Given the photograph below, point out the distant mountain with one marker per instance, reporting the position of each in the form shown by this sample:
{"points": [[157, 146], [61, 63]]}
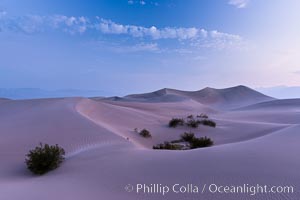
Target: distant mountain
{"points": [[282, 92], [228, 98], [34, 93], [3, 99]]}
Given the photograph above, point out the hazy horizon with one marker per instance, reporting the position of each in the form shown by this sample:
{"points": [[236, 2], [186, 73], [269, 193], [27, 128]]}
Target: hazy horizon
{"points": [[280, 92]]}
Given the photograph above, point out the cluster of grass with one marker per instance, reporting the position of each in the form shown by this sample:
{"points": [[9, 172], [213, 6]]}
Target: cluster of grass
{"points": [[176, 122], [208, 122], [200, 142], [196, 142], [192, 122], [168, 146], [44, 158], [189, 138]]}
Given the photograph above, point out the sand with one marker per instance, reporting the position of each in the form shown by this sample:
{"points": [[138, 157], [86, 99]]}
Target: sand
{"points": [[254, 144]]}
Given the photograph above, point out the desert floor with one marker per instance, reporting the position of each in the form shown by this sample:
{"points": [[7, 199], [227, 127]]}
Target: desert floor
{"points": [[256, 144]]}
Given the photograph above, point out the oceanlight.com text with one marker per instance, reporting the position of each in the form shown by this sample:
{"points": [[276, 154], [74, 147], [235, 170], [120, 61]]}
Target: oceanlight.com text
{"points": [[250, 189]]}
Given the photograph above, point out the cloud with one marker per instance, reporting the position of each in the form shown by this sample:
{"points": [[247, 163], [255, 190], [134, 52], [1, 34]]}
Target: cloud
{"points": [[142, 47], [140, 2], [239, 3], [219, 35], [26, 24], [110, 27], [199, 37], [69, 24], [35, 23], [219, 40], [127, 47]]}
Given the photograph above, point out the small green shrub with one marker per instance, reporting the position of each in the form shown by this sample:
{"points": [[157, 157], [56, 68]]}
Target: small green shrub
{"points": [[44, 158], [208, 122], [145, 133], [168, 146], [201, 142], [176, 122], [187, 137]]}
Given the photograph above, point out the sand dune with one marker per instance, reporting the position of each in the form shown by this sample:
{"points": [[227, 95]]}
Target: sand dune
{"points": [[286, 104], [258, 144], [228, 98], [155, 117]]}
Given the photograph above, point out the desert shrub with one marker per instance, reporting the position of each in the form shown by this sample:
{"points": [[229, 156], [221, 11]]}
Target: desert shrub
{"points": [[145, 133], [190, 117], [193, 123], [177, 141], [208, 122], [202, 115], [176, 122], [44, 158], [168, 146], [201, 142], [187, 137]]}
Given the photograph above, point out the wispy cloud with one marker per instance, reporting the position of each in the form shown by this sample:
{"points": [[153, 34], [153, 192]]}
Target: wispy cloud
{"points": [[140, 2], [239, 3], [70, 24], [110, 27], [80, 24], [141, 47], [36, 23], [197, 37]]}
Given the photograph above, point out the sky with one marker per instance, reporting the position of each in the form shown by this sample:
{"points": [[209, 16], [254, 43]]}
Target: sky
{"points": [[130, 46]]}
